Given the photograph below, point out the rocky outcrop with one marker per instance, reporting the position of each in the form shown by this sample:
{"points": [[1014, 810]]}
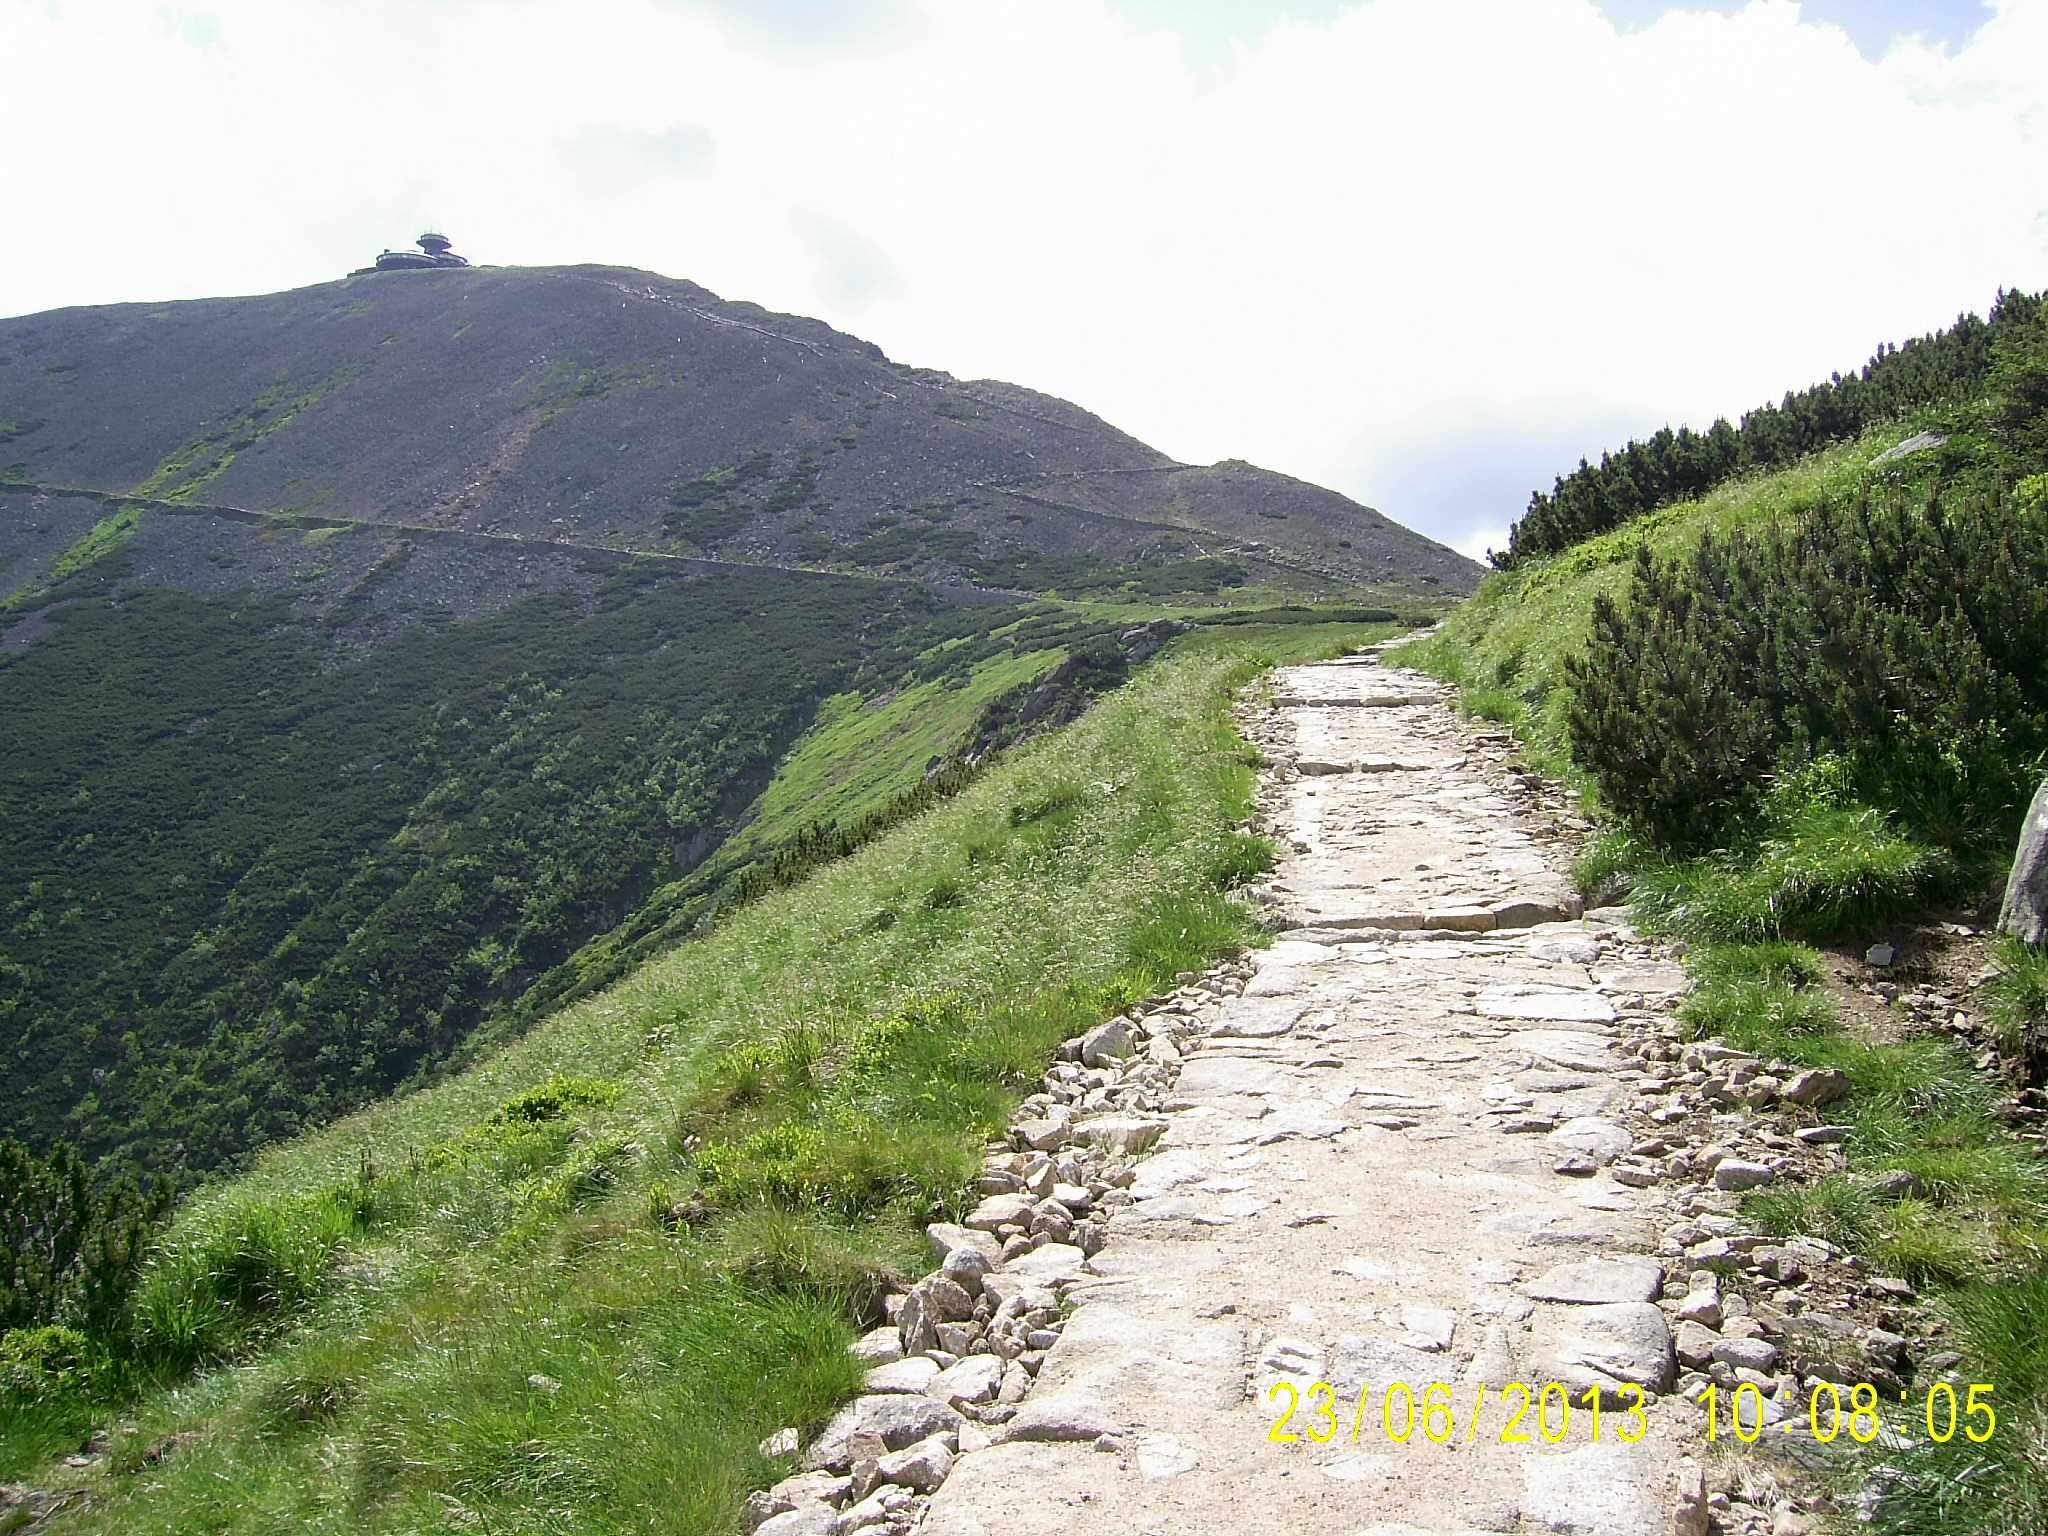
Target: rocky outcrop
{"points": [[2025, 913]]}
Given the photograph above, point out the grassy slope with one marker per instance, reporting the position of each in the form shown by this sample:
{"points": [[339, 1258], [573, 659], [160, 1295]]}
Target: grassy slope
{"points": [[1976, 1232], [862, 753], [461, 1308]]}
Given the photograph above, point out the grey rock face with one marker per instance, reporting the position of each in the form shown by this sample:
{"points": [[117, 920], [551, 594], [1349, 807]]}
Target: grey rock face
{"points": [[2025, 913]]}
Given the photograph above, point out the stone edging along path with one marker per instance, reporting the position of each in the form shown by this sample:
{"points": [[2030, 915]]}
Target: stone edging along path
{"points": [[1442, 1131]]}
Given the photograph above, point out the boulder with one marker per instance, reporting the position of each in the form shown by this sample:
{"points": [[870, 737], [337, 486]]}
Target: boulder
{"points": [[922, 1466], [1754, 1354], [2025, 913], [1820, 1085], [966, 1267], [944, 1237], [975, 1379], [932, 1301], [1070, 1416], [1696, 1344], [1107, 1043], [912, 1375], [1048, 1134], [804, 1520], [884, 1346], [1734, 1174], [999, 1211], [1117, 1133], [897, 1419]]}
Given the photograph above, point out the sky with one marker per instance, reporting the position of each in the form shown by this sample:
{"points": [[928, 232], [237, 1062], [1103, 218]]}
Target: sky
{"points": [[1427, 252]]}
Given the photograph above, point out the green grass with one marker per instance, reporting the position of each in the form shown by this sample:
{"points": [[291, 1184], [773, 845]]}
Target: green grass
{"points": [[195, 464], [101, 540], [106, 537], [2018, 998], [476, 1305], [861, 753], [1822, 872], [1962, 1489]]}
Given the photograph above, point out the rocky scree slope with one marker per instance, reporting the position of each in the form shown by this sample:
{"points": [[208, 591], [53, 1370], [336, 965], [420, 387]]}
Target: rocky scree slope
{"points": [[608, 406]]}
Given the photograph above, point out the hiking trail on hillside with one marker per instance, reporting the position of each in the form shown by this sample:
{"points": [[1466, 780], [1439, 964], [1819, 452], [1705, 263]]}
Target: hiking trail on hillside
{"points": [[1391, 1160]]}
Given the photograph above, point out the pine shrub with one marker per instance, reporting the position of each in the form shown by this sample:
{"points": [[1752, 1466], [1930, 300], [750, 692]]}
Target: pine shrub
{"points": [[1906, 639]]}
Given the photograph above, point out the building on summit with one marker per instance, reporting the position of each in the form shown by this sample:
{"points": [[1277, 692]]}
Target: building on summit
{"points": [[434, 251]]}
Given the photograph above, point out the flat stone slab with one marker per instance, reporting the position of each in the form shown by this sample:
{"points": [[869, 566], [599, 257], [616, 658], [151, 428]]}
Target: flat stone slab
{"points": [[1648, 980], [1594, 1281], [1213, 1072], [1601, 1140], [1540, 1003], [1055, 1261], [1606, 1346], [1590, 1492], [1260, 1019], [1565, 1048]]}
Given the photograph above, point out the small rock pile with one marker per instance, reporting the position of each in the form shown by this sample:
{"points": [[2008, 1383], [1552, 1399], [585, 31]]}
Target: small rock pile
{"points": [[961, 1348], [1787, 1316]]}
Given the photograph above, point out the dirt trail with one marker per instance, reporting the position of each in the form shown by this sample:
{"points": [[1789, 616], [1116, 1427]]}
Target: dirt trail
{"points": [[1359, 1184]]}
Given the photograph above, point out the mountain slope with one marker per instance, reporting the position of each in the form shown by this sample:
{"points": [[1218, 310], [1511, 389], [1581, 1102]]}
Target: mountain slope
{"points": [[388, 662], [605, 406]]}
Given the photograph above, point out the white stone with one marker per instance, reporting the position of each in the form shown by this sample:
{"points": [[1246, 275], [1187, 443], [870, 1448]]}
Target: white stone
{"points": [[1107, 1043], [1599, 1280], [976, 1379], [884, 1346], [899, 1419], [1115, 1133], [922, 1466], [1601, 1140], [911, 1375]]}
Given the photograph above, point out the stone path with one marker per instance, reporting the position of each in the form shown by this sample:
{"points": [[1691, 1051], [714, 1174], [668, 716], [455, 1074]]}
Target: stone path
{"points": [[1391, 1159]]}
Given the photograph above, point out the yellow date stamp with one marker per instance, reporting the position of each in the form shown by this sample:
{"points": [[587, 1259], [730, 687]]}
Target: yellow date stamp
{"points": [[1859, 1415], [1529, 1413]]}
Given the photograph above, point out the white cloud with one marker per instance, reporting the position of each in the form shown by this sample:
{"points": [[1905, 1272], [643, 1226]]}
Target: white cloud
{"points": [[1482, 541], [1364, 249]]}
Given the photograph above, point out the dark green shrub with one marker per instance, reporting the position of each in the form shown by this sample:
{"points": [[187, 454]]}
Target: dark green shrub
{"points": [[1905, 639], [71, 1239], [556, 1098]]}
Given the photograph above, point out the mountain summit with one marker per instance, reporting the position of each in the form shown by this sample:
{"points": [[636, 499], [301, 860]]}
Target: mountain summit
{"points": [[600, 405]]}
